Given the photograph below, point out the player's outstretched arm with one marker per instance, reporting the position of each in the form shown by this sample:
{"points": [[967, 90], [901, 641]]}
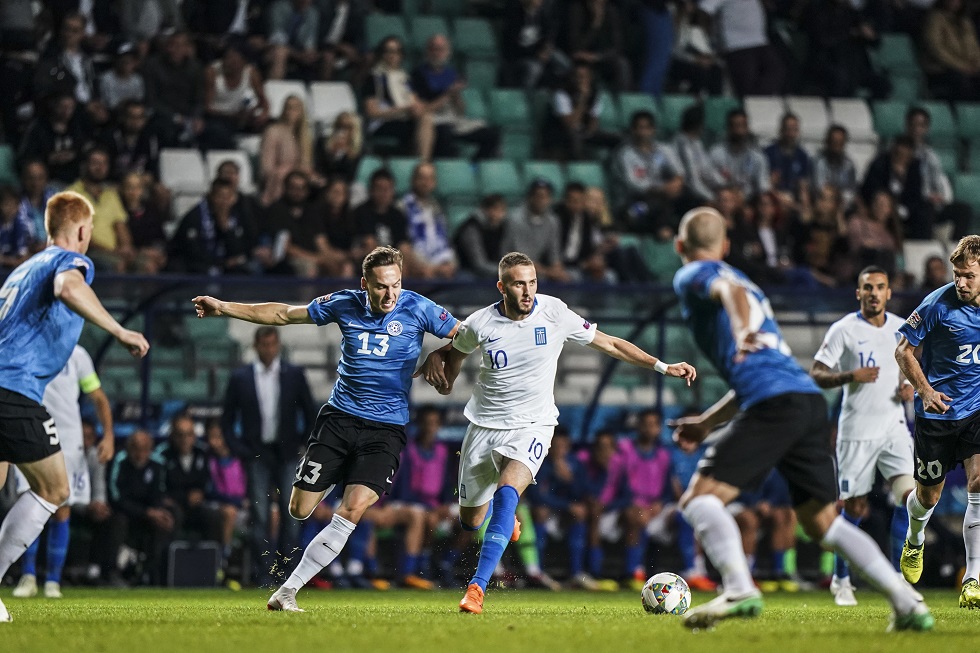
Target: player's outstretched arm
{"points": [[627, 352], [70, 288], [271, 313], [689, 432], [827, 378], [932, 401]]}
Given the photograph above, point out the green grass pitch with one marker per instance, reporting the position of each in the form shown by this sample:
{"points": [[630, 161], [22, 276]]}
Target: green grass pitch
{"points": [[213, 621]]}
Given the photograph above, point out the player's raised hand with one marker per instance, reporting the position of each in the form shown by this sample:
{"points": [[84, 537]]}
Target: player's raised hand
{"points": [[207, 306], [865, 374], [683, 371], [932, 401], [134, 342], [433, 370], [689, 432]]}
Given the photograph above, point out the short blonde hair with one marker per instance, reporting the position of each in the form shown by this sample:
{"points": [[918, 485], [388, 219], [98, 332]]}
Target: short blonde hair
{"points": [[512, 260], [65, 210], [967, 251]]}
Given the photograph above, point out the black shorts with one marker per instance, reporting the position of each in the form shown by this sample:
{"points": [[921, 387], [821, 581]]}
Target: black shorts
{"points": [[27, 431], [941, 444], [349, 450], [790, 433]]}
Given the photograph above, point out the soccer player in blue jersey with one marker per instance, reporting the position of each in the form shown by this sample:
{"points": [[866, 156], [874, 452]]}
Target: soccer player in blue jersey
{"points": [[43, 304], [360, 433], [776, 417], [939, 352]]}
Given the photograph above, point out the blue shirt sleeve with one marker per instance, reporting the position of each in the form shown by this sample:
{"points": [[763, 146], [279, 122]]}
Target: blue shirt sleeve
{"points": [[325, 309], [696, 280], [434, 318], [74, 261], [924, 318]]}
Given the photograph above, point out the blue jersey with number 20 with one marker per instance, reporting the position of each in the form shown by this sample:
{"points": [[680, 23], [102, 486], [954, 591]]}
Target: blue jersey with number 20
{"points": [[37, 331], [949, 332], [378, 351]]}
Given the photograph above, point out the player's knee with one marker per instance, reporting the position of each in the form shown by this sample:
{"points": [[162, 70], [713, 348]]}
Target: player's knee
{"points": [[928, 495], [297, 509], [56, 494]]}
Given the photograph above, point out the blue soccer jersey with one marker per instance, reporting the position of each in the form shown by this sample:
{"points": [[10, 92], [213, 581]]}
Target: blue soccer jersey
{"points": [[761, 375], [378, 351], [37, 331], [949, 332]]}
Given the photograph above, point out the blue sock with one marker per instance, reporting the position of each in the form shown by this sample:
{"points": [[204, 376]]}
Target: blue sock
{"points": [[778, 562], [58, 534], [409, 565], [634, 555], [595, 561], [499, 530], [685, 542], [841, 569], [540, 539], [489, 515], [576, 547], [28, 561], [900, 525], [358, 541]]}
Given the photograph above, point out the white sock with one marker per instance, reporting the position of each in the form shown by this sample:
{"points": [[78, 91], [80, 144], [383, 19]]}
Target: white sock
{"points": [[863, 554], [718, 534], [324, 548], [918, 518], [971, 535], [20, 528]]}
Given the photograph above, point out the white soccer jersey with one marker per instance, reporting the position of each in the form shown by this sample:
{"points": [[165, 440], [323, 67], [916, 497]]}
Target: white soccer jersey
{"points": [[870, 410], [516, 387], [61, 398]]}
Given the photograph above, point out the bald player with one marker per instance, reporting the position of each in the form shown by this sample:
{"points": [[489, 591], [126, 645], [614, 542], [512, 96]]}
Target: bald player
{"points": [[777, 418]]}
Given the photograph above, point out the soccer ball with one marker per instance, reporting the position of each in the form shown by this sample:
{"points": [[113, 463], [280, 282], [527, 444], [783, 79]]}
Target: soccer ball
{"points": [[666, 593]]}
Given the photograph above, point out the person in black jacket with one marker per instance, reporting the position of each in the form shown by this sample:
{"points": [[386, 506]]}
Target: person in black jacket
{"points": [[57, 137], [271, 402], [187, 479], [479, 240], [141, 514], [899, 173], [528, 44], [211, 238]]}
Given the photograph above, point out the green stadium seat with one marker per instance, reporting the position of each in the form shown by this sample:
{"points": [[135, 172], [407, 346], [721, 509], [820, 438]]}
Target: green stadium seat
{"points": [[630, 103], [456, 178], [679, 343], [445, 7], [905, 89], [367, 166], [715, 113], [712, 388], [516, 145], [540, 105], [549, 170], [457, 214], [424, 27], [589, 173], [411, 8], [500, 176], [198, 329], [190, 389], [889, 117], [949, 158], [610, 118], [476, 103], [968, 120], [509, 107], [672, 107], [896, 53], [661, 259], [966, 188], [474, 38], [943, 128], [401, 167], [379, 26], [481, 74], [8, 169]]}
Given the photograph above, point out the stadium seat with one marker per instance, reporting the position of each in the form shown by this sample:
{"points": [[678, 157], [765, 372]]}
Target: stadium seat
{"points": [[183, 171], [456, 179], [476, 103], [896, 53], [379, 26], [862, 154], [401, 167], [610, 117], [203, 330], [509, 107], [943, 130], [812, 112], [422, 28], [329, 100], [474, 38], [672, 107], [246, 180], [966, 188], [949, 159], [764, 114], [917, 252], [661, 259], [457, 214], [517, 144], [905, 88], [250, 144], [630, 103], [586, 172], [968, 120], [853, 114], [500, 176], [182, 203], [889, 118], [367, 166], [549, 170], [277, 90], [481, 74], [446, 7], [716, 110], [8, 169]]}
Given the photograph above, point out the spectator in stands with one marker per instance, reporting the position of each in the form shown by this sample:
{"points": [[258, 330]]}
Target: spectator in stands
{"points": [[338, 154], [294, 26], [392, 108], [247, 206], [696, 67], [227, 488], [573, 119], [298, 231], [270, 403], [379, 221], [187, 479], [753, 63], [145, 224], [832, 167], [700, 174], [211, 238], [837, 57], [123, 81], [18, 25], [67, 68], [789, 164], [141, 515], [427, 228], [343, 43], [595, 38], [57, 137], [821, 246], [935, 273], [15, 231], [437, 84], [35, 193], [533, 228], [658, 34], [875, 235], [479, 240], [951, 52], [134, 145], [583, 245], [234, 99], [143, 20], [175, 94], [287, 145], [739, 159], [528, 44], [937, 189], [899, 173], [215, 21], [649, 173], [339, 227], [101, 20], [112, 245], [761, 242]]}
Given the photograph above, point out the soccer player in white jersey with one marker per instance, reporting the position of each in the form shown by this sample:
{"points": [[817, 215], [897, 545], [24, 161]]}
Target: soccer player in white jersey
{"points": [[61, 400], [512, 411], [872, 432]]}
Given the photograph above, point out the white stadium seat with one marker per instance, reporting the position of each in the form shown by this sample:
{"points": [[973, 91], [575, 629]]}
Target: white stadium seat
{"points": [[277, 90], [764, 114], [862, 154], [184, 202], [330, 99], [917, 252], [812, 112], [854, 114], [246, 180], [183, 171]]}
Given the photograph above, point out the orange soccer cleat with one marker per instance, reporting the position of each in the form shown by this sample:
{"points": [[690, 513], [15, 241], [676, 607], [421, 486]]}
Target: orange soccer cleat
{"points": [[517, 530], [473, 600], [417, 583], [702, 584]]}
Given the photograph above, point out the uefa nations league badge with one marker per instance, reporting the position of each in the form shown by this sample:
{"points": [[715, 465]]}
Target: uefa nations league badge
{"points": [[394, 328]]}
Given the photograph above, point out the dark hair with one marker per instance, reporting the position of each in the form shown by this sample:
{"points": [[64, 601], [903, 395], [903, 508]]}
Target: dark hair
{"points": [[26, 163], [425, 409], [643, 114], [737, 112], [264, 332], [902, 140], [380, 47], [380, 257], [179, 417], [836, 128], [918, 111], [646, 412], [218, 184], [873, 269], [292, 174], [492, 200], [692, 118], [789, 115], [97, 149], [126, 105], [574, 187], [381, 173], [6, 191], [238, 168]]}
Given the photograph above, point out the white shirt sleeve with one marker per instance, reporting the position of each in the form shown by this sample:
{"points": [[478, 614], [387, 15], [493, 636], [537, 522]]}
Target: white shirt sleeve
{"points": [[467, 337], [832, 347], [576, 328]]}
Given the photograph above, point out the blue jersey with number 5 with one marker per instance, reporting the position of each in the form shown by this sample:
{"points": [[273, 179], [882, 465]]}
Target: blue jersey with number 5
{"points": [[37, 331], [949, 332], [378, 351]]}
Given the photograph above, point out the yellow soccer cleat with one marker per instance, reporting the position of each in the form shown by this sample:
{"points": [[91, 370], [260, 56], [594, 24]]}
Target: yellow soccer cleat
{"points": [[911, 562], [970, 594]]}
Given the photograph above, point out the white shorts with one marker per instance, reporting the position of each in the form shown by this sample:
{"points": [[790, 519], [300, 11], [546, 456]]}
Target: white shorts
{"points": [[79, 481], [858, 459], [483, 453]]}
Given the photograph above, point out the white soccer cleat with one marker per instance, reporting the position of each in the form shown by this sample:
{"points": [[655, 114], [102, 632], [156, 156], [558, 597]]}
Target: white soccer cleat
{"points": [[52, 590], [915, 592], [4, 615], [284, 599], [843, 591], [26, 587], [725, 606]]}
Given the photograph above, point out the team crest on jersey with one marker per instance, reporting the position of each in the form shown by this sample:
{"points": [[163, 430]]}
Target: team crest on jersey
{"points": [[540, 336], [394, 328], [914, 320], [586, 325], [444, 315]]}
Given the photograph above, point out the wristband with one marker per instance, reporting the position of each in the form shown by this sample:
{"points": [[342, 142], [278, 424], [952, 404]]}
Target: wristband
{"points": [[660, 367]]}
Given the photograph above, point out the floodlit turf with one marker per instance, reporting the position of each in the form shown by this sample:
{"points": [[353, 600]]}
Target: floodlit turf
{"points": [[145, 621]]}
